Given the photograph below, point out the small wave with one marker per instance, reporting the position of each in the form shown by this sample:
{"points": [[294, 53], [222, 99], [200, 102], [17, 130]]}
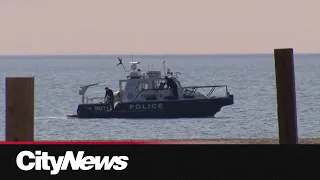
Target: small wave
{"points": [[61, 117], [50, 117], [222, 117]]}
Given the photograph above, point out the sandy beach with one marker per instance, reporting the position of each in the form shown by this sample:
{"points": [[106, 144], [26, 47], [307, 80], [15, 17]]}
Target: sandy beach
{"points": [[218, 141], [241, 141]]}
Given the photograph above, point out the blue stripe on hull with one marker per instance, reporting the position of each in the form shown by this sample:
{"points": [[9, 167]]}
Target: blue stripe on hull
{"points": [[164, 109]]}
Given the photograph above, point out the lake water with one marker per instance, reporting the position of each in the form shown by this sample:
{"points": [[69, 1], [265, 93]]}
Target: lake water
{"points": [[251, 78]]}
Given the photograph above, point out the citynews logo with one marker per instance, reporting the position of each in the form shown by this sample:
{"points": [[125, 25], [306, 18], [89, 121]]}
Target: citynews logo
{"points": [[42, 161]]}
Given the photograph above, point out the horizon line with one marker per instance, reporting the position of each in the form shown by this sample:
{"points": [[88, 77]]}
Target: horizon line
{"points": [[170, 54]]}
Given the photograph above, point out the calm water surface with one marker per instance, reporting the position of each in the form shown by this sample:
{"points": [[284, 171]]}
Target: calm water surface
{"points": [[249, 77]]}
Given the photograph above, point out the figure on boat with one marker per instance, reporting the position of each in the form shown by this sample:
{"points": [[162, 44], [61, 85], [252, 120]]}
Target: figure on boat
{"points": [[172, 84], [109, 97]]}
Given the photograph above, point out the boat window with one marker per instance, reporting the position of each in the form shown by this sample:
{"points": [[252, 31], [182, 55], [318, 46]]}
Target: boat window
{"points": [[123, 84], [155, 84], [142, 86]]}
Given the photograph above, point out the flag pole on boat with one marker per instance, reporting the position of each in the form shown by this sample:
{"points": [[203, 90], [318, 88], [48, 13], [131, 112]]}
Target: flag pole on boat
{"points": [[164, 66]]}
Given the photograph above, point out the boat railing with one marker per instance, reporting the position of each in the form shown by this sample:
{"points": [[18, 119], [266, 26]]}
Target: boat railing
{"points": [[189, 89], [83, 90], [193, 89], [86, 99], [94, 98]]}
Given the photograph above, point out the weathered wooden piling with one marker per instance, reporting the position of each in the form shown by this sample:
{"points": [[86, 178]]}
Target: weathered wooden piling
{"points": [[286, 96], [19, 108]]}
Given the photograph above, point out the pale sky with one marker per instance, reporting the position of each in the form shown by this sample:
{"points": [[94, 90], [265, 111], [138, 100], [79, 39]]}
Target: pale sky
{"points": [[158, 26]]}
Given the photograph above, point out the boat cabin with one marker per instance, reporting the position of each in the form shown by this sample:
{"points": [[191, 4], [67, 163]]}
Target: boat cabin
{"points": [[145, 86]]}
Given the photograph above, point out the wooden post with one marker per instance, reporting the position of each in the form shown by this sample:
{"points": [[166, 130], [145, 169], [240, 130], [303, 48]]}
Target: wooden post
{"points": [[286, 96], [19, 108]]}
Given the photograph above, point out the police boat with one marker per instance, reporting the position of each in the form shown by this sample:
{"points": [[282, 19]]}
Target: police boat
{"points": [[142, 95]]}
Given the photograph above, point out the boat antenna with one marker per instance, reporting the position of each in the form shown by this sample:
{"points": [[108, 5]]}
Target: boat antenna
{"points": [[120, 62], [164, 66]]}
